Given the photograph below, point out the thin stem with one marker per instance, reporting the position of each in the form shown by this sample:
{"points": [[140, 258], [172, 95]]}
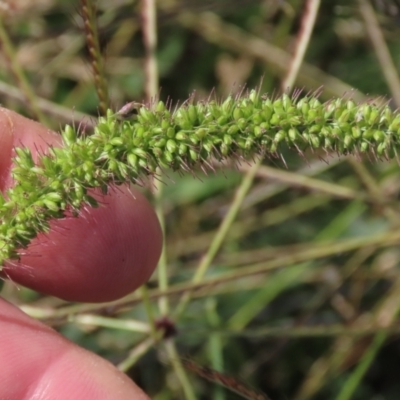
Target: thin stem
{"points": [[355, 378], [215, 344], [179, 370], [150, 315], [92, 38], [215, 30], [294, 332], [97, 320], [149, 26], [226, 381], [19, 74], [135, 354], [220, 235], [375, 194], [307, 25], [59, 112], [384, 315], [305, 253], [377, 39], [162, 268]]}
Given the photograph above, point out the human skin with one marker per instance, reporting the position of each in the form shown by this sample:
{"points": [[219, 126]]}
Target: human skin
{"points": [[100, 256]]}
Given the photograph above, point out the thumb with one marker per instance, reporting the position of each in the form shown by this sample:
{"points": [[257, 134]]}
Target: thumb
{"points": [[103, 254]]}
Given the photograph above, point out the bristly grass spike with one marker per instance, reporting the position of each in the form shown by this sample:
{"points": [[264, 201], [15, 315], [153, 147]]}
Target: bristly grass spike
{"points": [[181, 140]]}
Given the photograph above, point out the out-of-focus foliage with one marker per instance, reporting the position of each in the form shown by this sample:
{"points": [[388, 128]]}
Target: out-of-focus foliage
{"points": [[319, 229]]}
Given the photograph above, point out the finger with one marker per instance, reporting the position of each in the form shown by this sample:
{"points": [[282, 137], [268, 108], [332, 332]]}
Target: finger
{"points": [[37, 363], [17, 131], [103, 254]]}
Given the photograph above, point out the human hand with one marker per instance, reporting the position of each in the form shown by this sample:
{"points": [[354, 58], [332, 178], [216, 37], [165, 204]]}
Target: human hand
{"points": [[102, 255]]}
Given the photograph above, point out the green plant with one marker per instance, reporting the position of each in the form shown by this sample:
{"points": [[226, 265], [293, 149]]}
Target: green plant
{"points": [[278, 282], [126, 151]]}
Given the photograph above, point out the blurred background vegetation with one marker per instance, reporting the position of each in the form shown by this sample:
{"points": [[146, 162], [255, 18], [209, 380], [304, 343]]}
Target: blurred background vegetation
{"points": [[300, 296]]}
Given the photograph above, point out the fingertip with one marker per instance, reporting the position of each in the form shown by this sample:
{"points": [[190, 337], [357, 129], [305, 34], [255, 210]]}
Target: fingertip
{"points": [[18, 131], [36, 362], [100, 256], [104, 254]]}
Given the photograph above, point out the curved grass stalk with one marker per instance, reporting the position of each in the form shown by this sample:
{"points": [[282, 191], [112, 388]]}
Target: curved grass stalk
{"points": [[123, 151]]}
